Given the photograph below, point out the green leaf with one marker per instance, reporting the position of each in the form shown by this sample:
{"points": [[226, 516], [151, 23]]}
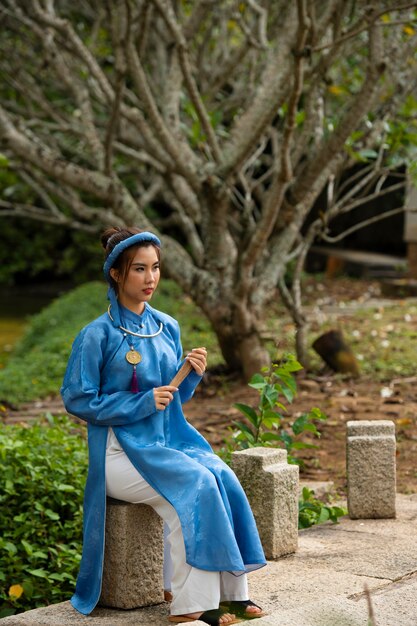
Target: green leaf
{"points": [[324, 515], [27, 546], [38, 554], [288, 393], [287, 439], [257, 381], [271, 437], [307, 493], [51, 514], [243, 427], [317, 414], [249, 412], [244, 436], [10, 547], [67, 488], [300, 424], [40, 573], [271, 395], [28, 588], [271, 422], [57, 576]]}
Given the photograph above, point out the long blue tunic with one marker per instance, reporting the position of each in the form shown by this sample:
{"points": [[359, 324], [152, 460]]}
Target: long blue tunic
{"points": [[219, 529]]}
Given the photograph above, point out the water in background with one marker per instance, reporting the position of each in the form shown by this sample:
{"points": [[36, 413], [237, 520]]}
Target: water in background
{"points": [[17, 304]]}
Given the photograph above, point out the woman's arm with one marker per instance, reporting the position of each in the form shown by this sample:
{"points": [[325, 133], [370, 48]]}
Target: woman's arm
{"points": [[81, 389]]}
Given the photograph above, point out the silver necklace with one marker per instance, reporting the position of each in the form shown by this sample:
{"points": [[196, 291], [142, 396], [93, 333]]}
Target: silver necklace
{"points": [[126, 330], [133, 356]]}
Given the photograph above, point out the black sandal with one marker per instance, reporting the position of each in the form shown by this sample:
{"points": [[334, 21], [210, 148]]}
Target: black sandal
{"points": [[238, 607], [212, 618]]}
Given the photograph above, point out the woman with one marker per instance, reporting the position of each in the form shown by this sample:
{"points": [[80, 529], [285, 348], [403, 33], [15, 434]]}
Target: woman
{"points": [[142, 449]]}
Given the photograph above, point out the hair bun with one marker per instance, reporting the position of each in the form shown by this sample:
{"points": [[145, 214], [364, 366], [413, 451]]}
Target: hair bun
{"points": [[107, 235]]}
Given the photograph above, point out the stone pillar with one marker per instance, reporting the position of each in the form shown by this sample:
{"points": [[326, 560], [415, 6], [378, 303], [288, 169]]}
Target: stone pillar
{"points": [[133, 556], [271, 485], [370, 460]]}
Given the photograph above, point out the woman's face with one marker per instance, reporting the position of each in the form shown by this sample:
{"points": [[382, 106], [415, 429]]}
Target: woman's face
{"points": [[141, 281]]}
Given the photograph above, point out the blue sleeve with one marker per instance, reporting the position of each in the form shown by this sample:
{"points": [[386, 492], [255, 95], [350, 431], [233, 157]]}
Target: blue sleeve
{"points": [[82, 383], [189, 384]]}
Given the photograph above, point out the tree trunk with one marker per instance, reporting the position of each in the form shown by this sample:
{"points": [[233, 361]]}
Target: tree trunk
{"points": [[301, 343], [242, 349]]}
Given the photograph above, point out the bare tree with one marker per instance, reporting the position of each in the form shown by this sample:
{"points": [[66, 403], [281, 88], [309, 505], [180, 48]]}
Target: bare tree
{"points": [[216, 124]]}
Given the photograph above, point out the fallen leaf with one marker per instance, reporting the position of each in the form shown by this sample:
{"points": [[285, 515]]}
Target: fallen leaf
{"points": [[404, 421]]}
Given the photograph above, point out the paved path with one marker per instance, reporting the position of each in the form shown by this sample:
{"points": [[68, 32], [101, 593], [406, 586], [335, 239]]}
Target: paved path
{"points": [[323, 584]]}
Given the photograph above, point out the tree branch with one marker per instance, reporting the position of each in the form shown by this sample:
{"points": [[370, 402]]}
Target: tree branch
{"points": [[271, 92], [167, 13], [9, 209], [363, 224], [371, 17], [284, 175], [184, 161], [74, 175], [118, 36], [321, 163]]}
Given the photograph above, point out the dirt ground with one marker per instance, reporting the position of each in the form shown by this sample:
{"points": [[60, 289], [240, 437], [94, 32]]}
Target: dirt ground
{"points": [[211, 411]]}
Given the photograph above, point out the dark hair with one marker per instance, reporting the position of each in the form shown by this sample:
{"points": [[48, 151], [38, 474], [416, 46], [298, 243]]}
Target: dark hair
{"points": [[111, 237]]}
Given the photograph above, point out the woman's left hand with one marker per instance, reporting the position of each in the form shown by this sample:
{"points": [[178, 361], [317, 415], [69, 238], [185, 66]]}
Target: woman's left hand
{"points": [[198, 359]]}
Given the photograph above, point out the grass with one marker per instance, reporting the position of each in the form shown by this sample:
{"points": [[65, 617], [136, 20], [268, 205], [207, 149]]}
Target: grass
{"points": [[382, 337], [10, 331]]}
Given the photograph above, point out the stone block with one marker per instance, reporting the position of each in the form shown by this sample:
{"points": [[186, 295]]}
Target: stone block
{"points": [[370, 460], [133, 556], [271, 485]]}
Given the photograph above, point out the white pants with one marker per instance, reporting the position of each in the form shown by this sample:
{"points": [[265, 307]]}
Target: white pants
{"points": [[193, 589]]}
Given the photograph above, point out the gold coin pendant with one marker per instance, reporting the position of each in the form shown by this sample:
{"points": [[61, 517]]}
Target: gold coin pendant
{"points": [[133, 357]]}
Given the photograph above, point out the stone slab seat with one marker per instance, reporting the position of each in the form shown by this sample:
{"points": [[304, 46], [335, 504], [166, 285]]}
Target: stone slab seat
{"points": [[133, 556]]}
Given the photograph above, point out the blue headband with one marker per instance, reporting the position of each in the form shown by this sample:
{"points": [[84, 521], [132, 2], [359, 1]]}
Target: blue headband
{"points": [[111, 259], [126, 243]]}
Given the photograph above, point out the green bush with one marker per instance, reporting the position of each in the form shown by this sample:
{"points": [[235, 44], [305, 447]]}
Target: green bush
{"points": [[42, 476]]}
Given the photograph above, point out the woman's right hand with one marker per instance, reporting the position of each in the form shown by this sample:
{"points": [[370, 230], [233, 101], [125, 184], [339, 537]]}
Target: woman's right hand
{"points": [[163, 396]]}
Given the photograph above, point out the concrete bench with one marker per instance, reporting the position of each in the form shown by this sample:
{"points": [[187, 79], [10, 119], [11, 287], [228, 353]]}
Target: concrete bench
{"points": [[133, 556]]}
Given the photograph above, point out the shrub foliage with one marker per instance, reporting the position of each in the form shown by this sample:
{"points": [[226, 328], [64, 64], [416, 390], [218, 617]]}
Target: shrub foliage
{"points": [[42, 476]]}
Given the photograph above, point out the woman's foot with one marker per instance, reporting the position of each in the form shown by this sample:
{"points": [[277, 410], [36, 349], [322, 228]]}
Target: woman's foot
{"points": [[214, 617], [224, 618], [253, 609], [243, 608]]}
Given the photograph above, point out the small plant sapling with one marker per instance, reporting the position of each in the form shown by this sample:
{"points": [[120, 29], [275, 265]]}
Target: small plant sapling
{"points": [[268, 425]]}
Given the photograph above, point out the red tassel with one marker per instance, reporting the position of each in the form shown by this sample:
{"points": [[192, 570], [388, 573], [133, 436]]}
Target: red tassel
{"points": [[134, 387]]}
